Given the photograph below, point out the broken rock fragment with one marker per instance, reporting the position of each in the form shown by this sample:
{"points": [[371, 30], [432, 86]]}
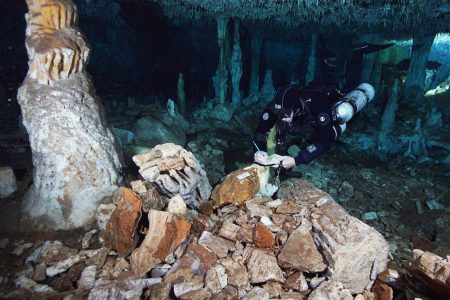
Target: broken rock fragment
{"points": [[262, 237], [216, 244], [165, 232], [331, 290], [296, 281], [300, 252], [122, 224], [263, 266]]}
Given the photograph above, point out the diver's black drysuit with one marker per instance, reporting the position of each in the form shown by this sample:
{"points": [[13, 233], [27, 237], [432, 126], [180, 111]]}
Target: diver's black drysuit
{"points": [[314, 106]]}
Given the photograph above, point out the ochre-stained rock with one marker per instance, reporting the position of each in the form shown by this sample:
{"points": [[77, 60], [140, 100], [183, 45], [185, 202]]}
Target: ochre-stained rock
{"points": [[165, 233], [300, 252], [382, 291], [262, 266], [355, 252], [120, 230], [200, 223], [262, 237], [433, 270], [206, 257], [238, 187]]}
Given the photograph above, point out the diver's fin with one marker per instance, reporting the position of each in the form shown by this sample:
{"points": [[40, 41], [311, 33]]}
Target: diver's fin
{"points": [[365, 48]]}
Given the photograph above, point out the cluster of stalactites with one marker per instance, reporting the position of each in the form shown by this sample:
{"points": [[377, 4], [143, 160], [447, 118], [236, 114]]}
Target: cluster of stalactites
{"points": [[56, 49]]}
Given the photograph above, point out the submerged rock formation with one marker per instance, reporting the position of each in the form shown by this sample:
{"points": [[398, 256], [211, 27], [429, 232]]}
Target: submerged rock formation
{"points": [[74, 153]]}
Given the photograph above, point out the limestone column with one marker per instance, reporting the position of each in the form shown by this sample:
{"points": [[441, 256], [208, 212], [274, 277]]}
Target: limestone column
{"points": [[413, 88], [312, 59], [236, 65], [255, 53], [75, 158], [222, 69]]}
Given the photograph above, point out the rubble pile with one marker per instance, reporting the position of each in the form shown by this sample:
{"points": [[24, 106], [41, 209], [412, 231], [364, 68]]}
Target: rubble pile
{"points": [[238, 245]]}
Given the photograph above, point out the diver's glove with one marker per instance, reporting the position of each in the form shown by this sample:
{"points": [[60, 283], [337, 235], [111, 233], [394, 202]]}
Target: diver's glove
{"points": [[287, 162], [261, 157]]}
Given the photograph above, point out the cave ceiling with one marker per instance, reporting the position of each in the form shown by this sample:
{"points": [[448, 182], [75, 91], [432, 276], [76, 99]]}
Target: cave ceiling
{"points": [[391, 17]]}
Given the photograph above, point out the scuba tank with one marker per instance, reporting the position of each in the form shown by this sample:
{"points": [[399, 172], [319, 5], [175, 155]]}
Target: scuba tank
{"points": [[352, 103]]}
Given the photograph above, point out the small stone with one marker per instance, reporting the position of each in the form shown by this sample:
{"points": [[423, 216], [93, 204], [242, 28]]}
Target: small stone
{"points": [[179, 276], [216, 279], [206, 257], [103, 214], [63, 266], [39, 272], [99, 258], [257, 209], [229, 230], [262, 237], [160, 270], [177, 205], [195, 283], [382, 291], [263, 266], [370, 216], [25, 283], [216, 244], [86, 241], [296, 281], [8, 184], [331, 290], [237, 275], [120, 265], [274, 289], [200, 223], [274, 203], [121, 289], [158, 291], [87, 279], [266, 221], [200, 294], [21, 248], [316, 281], [346, 189], [245, 233], [257, 293]]}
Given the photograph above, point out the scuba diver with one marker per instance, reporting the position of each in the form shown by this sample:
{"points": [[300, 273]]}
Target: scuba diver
{"points": [[318, 109]]}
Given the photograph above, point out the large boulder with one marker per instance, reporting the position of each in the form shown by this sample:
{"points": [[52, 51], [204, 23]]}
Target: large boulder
{"points": [[354, 252]]}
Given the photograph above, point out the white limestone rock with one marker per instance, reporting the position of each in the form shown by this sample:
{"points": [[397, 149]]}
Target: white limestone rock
{"points": [[87, 278], [8, 183], [121, 289], [177, 205], [63, 266]]}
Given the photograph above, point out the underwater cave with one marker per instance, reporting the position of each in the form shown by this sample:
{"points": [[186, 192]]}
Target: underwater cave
{"points": [[214, 149]]}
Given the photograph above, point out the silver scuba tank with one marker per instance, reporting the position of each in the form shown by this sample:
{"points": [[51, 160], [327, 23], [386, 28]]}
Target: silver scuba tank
{"points": [[352, 103]]}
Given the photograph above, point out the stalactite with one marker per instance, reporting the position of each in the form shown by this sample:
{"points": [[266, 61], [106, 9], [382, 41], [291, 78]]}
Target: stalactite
{"points": [[255, 53], [312, 59], [413, 88], [75, 157], [236, 64], [221, 77]]}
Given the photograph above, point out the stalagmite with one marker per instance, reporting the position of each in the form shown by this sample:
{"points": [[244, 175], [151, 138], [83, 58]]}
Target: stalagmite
{"points": [[385, 142], [75, 160], [311, 73], [180, 93], [413, 89], [255, 45], [221, 78], [236, 65]]}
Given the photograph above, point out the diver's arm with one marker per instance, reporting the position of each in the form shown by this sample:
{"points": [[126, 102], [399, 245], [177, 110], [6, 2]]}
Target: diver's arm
{"points": [[266, 121]]}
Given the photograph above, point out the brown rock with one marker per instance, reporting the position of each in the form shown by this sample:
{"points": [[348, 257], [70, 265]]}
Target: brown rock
{"points": [[423, 244], [39, 272], [274, 289], [200, 294], [300, 252], [231, 292], [382, 291], [432, 270], [257, 293], [120, 230], [120, 265], [245, 233], [200, 224], [150, 197], [229, 230], [296, 281], [179, 276], [165, 233], [158, 291], [216, 244], [262, 266], [237, 188], [237, 275], [206, 257], [207, 208], [262, 237]]}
